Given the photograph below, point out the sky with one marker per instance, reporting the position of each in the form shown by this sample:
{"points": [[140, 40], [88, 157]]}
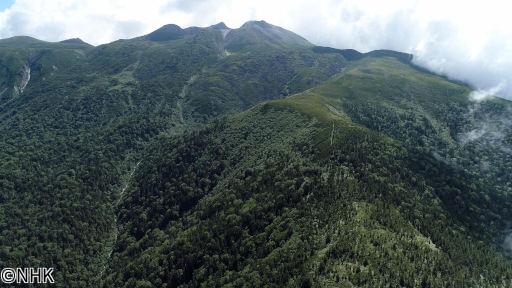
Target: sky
{"points": [[464, 40], [5, 4]]}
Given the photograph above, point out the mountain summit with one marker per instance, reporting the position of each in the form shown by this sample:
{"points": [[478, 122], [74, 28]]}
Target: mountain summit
{"points": [[258, 32], [251, 33], [170, 32], [220, 26], [74, 41]]}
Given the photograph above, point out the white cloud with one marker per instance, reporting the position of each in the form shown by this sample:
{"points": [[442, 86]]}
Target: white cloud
{"points": [[482, 95], [466, 40]]}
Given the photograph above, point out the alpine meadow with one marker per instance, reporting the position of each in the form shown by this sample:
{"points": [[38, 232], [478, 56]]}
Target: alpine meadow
{"points": [[248, 157]]}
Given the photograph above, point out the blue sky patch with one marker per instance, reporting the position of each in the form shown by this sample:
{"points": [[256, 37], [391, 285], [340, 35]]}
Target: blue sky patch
{"points": [[5, 4]]}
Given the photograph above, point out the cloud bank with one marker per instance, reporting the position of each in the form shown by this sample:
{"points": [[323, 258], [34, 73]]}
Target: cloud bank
{"points": [[465, 40]]}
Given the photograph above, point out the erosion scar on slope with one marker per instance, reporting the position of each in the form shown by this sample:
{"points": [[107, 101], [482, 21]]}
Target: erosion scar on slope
{"points": [[25, 78], [332, 132], [181, 97], [116, 230]]}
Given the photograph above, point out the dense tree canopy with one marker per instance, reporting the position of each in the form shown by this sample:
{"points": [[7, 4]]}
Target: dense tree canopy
{"points": [[149, 162]]}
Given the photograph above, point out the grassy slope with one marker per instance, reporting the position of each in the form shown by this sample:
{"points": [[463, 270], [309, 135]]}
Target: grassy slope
{"points": [[246, 78], [430, 115], [297, 192]]}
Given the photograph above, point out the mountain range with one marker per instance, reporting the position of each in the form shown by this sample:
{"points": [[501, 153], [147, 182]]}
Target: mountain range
{"points": [[249, 157]]}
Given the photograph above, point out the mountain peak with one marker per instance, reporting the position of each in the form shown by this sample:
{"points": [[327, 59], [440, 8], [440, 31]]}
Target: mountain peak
{"points": [[220, 26], [171, 32], [249, 34], [20, 39], [262, 33], [74, 41], [257, 23], [166, 33]]}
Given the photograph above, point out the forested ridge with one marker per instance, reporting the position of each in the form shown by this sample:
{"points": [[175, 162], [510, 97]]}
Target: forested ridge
{"points": [[365, 172], [298, 193]]}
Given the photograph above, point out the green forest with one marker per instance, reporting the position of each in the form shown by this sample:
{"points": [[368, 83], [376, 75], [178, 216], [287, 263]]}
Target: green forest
{"points": [[195, 158]]}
